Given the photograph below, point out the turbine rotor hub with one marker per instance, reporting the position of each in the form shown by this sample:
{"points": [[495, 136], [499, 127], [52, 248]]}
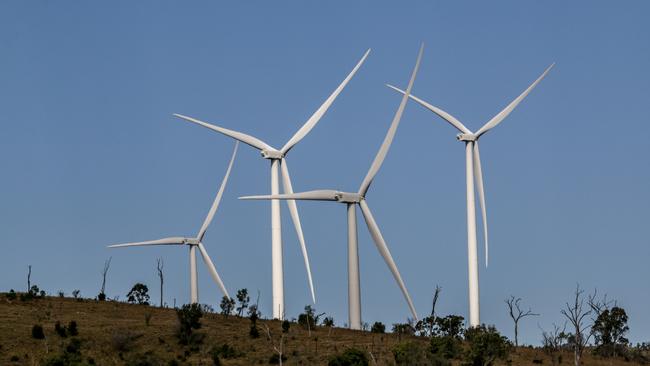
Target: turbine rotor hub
{"points": [[272, 154], [466, 137], [345, 197], [191, 241]]}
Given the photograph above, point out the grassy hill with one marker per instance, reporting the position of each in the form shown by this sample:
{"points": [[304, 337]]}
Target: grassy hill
{"points": [[114, 333]]}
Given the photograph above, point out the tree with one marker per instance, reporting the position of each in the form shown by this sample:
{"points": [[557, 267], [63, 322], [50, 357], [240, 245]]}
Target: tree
{"points": [[576, 314], [514, 309], [189, 318], [29, 277], [102, 291], [243, 299], [552, 342], [609, 331], [278, 347], [309, 319], [139, 294], [349, 357], [378, 327], [227, 304], [159, 268], [424, 327], [486, 345]]}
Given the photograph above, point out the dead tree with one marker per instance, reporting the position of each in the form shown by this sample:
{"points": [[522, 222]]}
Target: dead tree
{"points": [[29, 278], [576, 314], [436, 294], [514, 309], [552, 342], [159, 266], [599, 306], [107, 266], [279, 347]]}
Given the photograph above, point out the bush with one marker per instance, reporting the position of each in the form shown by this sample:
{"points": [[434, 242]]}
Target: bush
{"points": [[243, 299], [328, 321], [101, 296], [122, 341], [485, 346], [75, 294], [11, 295], [308, 319], [286, 324], [446, 347], [189, 318], [349, 357], [378, 327], [61, 331], [412, 353], [72, 328], [275, 359], [403, 329], [225, 351], [37, 332]]}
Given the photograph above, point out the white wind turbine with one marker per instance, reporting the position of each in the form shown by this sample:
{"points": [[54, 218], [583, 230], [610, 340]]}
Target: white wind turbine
{"points": [[474, 172], [195, 242], [278, 161], [352, 199]]}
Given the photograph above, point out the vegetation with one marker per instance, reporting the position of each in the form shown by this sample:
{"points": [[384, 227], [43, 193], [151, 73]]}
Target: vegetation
{"points": [[139, 294], [349, 357]]}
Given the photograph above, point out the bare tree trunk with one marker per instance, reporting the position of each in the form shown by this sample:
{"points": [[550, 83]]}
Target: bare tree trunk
{"points": [[29, 278], [107, 266], [160, 265], [576, 314]]}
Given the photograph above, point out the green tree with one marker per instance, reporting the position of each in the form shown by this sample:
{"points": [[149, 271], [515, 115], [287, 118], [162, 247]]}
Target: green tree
{"points": [[139, 294], [243, 299], [189, 318], [486, 345], [378, 327], [227, 304], [609, 331], [349, 357]]}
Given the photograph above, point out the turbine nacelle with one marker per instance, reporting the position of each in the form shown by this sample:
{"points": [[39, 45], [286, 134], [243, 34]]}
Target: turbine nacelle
{"points": [[466, 137], [191, 241], [346, 197], [272, 154]]}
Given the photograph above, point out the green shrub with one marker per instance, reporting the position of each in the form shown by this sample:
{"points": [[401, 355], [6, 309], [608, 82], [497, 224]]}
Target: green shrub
{"points": [[37, 332], [485, 346], [225, 351], [349, 357], [275, 359], [11, 295], [285, 326], [227, 305], [189, 318], [378, 327], [72, 328], [446, 347], [60, 330]]}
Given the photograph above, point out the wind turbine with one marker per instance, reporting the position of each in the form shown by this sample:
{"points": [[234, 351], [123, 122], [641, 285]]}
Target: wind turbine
{"points": [[351, 200], [474, 172], [278, 162], [195, 242]]}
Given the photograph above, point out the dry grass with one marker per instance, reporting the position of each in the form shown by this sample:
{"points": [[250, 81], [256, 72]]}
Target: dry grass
{"points": [[113, 333]]}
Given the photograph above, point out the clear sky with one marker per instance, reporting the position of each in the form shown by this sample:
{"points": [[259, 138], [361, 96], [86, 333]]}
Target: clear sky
{"points": [[90, 154]]}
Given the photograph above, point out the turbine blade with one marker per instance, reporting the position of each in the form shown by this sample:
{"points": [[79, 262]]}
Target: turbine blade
{"points": [[383, 150], [247, 139], [176, 240], [293, 209], [319, 195], [506, 111], [478, 175], [385, 253], [217, 199], [442, 114], [212, 269], [311, 122]]}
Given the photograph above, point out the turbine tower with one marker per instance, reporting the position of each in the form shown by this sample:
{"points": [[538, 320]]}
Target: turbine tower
{"points": [[195, 242], [474, 175], [351, 200], [278, 162]]}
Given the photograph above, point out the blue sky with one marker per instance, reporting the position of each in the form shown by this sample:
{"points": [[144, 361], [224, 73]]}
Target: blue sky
{"points": [[90, 154]]}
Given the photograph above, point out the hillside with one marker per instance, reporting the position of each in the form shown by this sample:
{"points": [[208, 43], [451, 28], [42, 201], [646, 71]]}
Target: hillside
{"points": [[114, 333]]}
